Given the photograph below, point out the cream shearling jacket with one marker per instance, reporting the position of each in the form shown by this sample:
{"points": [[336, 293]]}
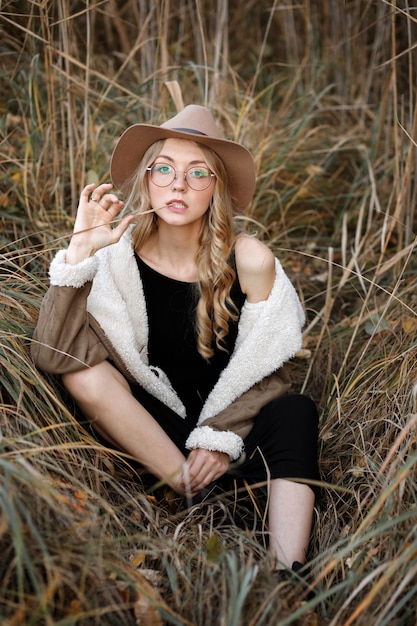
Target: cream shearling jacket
{"points": [[96, 310]]}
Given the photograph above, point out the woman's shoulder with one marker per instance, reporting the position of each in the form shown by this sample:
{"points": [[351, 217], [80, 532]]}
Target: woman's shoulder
{"points": [[252, 255], [255, 265]]}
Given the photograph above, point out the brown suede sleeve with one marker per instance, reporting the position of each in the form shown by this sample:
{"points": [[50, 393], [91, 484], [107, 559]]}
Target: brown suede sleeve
{"points": [[238, 416], [64, 339]]}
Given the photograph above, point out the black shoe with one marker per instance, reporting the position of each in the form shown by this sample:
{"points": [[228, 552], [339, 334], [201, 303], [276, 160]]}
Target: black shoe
{"points": [[298, 575], [301, 569]]}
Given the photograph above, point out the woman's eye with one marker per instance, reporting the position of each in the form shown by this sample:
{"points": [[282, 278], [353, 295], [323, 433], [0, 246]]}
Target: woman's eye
{"points": [[198, 172], [161, 168]]}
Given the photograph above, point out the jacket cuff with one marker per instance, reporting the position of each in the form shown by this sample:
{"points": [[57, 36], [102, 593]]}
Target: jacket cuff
{"points": [[219, 440], [61, 274]]}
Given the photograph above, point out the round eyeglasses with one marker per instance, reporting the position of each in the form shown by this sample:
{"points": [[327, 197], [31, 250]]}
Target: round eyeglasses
{"points": [[163, 175]]}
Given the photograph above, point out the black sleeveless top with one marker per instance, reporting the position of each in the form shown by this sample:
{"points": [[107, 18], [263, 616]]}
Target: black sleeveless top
{"points": [[172, 345]]}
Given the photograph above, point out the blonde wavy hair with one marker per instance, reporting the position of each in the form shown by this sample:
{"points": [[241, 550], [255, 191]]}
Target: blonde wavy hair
{"points": [[215, 307]]}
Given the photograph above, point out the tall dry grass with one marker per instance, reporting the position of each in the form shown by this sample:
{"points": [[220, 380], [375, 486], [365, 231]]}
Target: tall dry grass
{"points": [[323, 95]]}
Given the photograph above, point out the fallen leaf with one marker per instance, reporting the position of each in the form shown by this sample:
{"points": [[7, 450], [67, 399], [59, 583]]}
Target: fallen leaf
{"points": [[146, 605], [137, 558], [80, 495], [146, 613], [410, 325], [136, 515], [152, 575], [74, 608], [214, 549]]}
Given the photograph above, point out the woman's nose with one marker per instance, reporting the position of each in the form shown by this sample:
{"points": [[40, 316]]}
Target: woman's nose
{"points": [[180, 180]]}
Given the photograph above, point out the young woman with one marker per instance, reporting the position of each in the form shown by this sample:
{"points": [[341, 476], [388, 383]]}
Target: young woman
{"points": [[170, 328]]}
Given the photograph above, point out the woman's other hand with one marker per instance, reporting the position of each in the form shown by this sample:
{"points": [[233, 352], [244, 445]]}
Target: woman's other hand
{"points": [[202, 467]]}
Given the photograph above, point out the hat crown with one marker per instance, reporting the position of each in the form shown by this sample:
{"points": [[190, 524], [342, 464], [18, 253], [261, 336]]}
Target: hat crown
{"points": [[194, 119]]}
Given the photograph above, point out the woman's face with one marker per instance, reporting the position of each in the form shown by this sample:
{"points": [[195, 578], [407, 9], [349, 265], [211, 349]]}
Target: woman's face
{"points": [[177, 203]]}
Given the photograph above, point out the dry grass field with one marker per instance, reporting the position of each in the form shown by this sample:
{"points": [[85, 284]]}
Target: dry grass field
{"points": [[323, 94]]}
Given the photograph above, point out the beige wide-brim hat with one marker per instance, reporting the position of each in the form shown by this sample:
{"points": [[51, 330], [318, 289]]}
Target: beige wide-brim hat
{"points": [[194, 123]]}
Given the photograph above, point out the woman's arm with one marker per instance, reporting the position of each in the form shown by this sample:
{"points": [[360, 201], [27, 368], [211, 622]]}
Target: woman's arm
{"points": [[64, 340]]}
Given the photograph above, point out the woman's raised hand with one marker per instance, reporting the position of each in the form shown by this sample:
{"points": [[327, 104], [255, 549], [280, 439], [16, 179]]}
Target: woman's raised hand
{"points": [[97, 210]]}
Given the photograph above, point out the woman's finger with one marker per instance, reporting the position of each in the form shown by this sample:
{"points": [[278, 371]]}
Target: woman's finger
{"points": [[122, 227], [107, 201], [94, 192]]}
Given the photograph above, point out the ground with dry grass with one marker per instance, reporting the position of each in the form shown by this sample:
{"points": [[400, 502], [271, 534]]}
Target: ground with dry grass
{"points": [[324, 97]]}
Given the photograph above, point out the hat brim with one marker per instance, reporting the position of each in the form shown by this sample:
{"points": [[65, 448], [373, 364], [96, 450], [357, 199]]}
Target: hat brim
{"points": [[135, 140]]}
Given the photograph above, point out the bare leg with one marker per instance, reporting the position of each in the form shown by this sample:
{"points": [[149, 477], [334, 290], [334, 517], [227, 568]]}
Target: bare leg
{"points": [[290, 520], [105, 399]]}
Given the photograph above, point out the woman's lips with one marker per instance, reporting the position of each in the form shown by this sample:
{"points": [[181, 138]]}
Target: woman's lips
{"points": [[177, 205]]}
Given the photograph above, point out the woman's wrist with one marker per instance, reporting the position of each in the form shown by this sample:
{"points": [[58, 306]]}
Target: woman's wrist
{"points": [[78, 253]]}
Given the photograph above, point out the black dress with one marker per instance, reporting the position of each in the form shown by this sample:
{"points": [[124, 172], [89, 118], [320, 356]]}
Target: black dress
{"points": [[172, 342], [283, 439]]}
